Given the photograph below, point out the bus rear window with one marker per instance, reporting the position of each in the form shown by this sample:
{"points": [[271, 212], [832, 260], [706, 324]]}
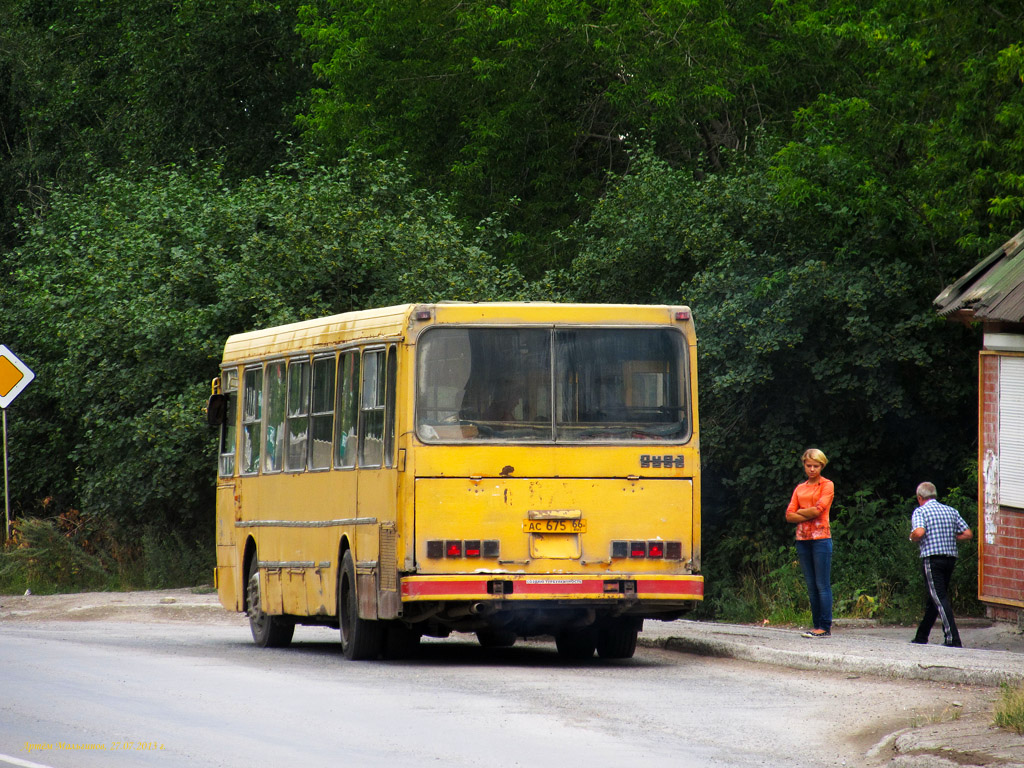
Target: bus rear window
{"points": [[552, 385]]}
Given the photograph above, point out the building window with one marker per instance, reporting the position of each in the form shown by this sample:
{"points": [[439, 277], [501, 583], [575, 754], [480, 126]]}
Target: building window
{"points": [[1011, 432]]}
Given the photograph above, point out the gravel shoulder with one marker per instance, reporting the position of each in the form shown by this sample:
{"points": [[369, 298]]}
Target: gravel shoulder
{"points": [[165, 605]]}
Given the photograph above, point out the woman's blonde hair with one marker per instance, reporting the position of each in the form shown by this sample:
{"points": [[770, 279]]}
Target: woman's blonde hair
{"points": [[814, 455]]}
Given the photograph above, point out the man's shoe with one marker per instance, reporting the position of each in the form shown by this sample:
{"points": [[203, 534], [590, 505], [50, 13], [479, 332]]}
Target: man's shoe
{"points": [[817, 633], [915, 641], [954, 645]]}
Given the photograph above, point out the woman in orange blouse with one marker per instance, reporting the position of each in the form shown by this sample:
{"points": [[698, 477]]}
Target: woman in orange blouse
{"points": [[808, 509]]}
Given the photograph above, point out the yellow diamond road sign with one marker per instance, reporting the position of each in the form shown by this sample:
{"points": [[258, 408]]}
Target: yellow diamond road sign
{"points": [[14, 376]]}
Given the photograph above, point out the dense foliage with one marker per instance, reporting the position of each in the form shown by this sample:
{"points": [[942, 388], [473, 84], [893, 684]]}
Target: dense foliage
{"points": [[806, 175], [125, 294], [97, 84]]}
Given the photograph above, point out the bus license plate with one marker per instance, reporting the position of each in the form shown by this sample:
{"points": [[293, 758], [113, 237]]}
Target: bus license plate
{"points": [[554, 526]]}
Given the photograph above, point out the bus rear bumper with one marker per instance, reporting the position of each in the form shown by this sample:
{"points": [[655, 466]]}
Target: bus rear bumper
{"points": [[641, 587]]}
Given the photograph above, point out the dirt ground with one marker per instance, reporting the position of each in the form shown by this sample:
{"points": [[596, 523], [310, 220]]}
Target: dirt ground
{"points": [[166, 605]]}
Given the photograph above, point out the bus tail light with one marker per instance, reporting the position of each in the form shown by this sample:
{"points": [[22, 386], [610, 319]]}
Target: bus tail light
{"points": [[656, 548], [454, 548]]}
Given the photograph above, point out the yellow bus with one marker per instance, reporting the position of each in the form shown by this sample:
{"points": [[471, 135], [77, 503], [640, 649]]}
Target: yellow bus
{"points": [[503, 469]]}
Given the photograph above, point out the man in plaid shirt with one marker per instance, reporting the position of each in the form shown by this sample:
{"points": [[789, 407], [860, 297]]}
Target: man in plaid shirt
{"points": [[937, 528]]}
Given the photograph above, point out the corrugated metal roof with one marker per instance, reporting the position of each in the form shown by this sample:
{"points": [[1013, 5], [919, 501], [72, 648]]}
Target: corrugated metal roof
{"points": [[993, 289]]}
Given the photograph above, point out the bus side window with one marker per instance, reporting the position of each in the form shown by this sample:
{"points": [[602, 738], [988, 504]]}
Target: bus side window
{"points": [[276, 391], [371, 406], [322, 413], [346, 412], [252, 417], [389, 409], [228, 430], [298, 415]]}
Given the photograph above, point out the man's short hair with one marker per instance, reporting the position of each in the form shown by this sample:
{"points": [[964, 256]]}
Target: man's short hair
{"points": [[927, 490]]}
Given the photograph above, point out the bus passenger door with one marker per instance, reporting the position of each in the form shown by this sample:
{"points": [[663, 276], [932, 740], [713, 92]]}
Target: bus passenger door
{"points": [[228, 504], [227, 553]]}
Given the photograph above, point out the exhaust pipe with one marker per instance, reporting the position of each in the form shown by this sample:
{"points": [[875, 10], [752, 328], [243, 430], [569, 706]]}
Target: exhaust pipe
{"points": [[483, 609]]}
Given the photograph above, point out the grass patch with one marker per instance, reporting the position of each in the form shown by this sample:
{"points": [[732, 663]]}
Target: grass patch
{"points": [[1009, 712]]}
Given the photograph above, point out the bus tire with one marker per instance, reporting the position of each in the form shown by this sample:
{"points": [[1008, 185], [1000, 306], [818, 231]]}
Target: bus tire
{"points": [[576, 644], [267, 631], [496, 638], [400, 641], [617, 640], [361, 639]]}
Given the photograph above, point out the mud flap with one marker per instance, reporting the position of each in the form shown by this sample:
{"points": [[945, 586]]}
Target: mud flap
{"points": [[366, 592]]}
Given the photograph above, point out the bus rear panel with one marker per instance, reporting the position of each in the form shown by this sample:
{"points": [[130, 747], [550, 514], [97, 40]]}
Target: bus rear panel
{"points": [[506, 469]]}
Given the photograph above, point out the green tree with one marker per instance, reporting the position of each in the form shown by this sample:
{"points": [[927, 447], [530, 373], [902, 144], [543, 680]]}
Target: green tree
{"points": [[124, 294], [524, 108], [815, 325], [98, 84], [929, 103]]}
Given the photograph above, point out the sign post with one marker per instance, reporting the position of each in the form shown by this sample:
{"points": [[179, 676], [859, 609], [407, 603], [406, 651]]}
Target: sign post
{"points": [[14, 377]]}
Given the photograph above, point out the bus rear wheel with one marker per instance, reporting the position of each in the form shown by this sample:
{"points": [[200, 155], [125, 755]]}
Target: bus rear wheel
{"points": [[496, 637], [361, 639], [576, 644], [400, 641], [617, 640], [267, 631]]}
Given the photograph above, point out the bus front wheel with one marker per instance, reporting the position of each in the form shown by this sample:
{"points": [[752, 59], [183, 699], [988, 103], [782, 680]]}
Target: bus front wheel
{"points": [[360, 638], [267, 631]]}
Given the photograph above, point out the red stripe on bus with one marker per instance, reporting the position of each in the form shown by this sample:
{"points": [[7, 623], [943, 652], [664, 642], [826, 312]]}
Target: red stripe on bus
{"points": [[688, 587], [443, 588]]}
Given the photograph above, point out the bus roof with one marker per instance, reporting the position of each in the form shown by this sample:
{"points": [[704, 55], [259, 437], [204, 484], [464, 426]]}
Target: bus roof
{"points": [[394, 321]]}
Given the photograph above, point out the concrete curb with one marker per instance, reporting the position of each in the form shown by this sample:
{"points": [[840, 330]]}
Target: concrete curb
{"points": [[845, 662], [885, 653]]}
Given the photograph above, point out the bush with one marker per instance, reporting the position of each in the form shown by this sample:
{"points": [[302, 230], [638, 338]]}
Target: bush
{"points": [[73, 552], [171, 561], [876, 570], [53, 555]]}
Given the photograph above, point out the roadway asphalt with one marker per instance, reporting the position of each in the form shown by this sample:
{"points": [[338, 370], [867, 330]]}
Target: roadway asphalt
{"points": [[993, 654]]}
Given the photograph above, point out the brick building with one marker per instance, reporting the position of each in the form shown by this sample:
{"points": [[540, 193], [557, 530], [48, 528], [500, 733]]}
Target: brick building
{"points": [[992, 293]]}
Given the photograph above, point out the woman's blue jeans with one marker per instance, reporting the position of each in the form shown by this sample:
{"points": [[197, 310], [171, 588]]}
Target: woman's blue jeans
{"points": [[816, 562]]}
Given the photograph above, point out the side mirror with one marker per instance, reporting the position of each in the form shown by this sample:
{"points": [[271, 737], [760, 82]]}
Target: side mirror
{"points": [[217, 410]]}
